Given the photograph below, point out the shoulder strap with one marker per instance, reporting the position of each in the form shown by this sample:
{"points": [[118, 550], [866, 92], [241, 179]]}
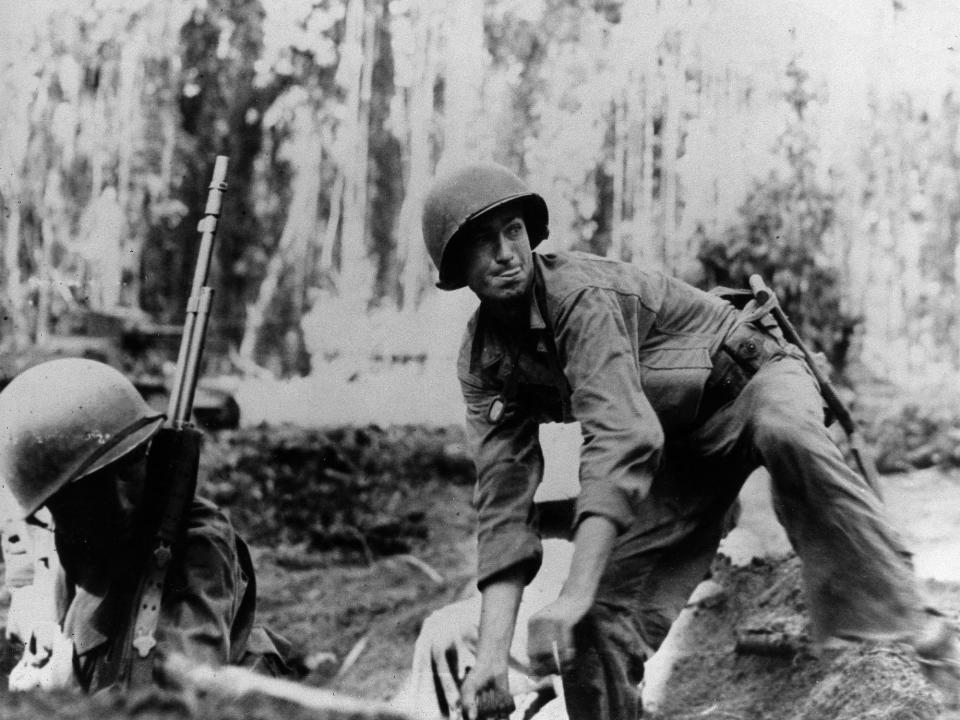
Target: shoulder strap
{"points": [[560, 378]]}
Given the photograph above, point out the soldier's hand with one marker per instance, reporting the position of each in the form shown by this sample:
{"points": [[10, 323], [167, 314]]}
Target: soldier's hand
{"points": [[550, 635], [450, 659], [47, 661], [485, 694]]}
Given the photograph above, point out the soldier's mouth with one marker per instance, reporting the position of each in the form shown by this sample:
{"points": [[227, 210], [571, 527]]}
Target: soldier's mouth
{"points": [[508, 274]]}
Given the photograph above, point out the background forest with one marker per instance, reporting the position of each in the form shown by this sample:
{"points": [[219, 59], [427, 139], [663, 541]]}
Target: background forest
{"points": [[815, 142]]}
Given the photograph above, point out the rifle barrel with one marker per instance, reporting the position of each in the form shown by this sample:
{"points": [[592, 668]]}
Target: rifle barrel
{"points": [[173, 462], [191, 349], [192, 369]]}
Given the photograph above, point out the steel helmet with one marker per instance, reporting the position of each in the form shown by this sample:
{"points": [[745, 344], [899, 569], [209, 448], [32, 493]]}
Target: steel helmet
{"points": [[463, 195], [64, 419]]}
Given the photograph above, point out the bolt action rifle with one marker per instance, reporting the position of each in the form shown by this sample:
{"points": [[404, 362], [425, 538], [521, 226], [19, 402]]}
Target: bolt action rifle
{"points": [[173, 462], [861, 455]]}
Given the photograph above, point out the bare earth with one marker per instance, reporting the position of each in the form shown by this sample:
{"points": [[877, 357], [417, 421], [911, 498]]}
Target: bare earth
{"points": [[370, 615]]}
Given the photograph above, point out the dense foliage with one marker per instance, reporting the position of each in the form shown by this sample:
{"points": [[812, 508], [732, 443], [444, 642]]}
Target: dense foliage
{"points": [[348, 490], [781, 234], [916, 434]]}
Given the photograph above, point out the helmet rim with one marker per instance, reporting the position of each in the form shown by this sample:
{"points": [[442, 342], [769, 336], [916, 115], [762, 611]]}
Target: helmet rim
{"points": [[129, 440], [65, 419], [449, 280], [461, 196]]}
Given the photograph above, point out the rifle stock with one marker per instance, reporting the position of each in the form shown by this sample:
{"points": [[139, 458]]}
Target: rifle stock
{"points": [[174, 459]]}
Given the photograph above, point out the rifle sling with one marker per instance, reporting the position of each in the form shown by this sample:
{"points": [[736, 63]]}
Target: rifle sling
{"points": [[172, 479]]}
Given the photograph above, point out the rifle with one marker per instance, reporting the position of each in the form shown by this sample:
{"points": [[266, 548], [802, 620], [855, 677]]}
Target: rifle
{"points": [[861, 455], [174, 458]]}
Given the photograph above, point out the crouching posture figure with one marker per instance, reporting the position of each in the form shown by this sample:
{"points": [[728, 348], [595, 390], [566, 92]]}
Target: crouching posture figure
{"points": [[74, 436], [680, 396]]}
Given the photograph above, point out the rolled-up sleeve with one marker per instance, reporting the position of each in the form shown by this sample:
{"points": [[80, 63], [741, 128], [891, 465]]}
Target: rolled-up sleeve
{"points": [[509, 466], [622, 436]]}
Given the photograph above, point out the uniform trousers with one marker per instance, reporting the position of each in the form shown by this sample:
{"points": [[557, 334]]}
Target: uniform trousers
{"points": [[857, 582]]}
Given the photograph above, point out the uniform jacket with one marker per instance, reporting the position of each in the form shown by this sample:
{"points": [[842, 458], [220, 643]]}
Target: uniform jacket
{"points": [[207, 611], [625, 351]]}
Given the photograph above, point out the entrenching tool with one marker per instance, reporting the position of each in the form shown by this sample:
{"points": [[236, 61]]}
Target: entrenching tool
{"points": [[858, 448]]}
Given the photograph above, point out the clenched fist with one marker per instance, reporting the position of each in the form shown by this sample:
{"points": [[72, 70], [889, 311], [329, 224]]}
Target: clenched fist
{"points": [[550, 635]]}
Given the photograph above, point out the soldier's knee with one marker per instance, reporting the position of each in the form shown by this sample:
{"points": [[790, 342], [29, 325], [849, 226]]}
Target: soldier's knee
{"points": [[777, 429]]}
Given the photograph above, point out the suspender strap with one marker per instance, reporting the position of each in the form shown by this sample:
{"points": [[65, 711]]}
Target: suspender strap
{"points": [[556, 370]]}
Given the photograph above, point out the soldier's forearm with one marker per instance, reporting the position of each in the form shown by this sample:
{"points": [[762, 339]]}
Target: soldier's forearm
{"points": [[593, 543], [498, 617]]}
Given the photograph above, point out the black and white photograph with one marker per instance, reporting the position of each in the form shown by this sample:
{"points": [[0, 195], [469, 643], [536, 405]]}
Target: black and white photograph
{"points": [[480, 359]]}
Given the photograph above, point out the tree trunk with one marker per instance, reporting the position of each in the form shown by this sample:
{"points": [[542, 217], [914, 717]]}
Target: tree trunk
{"points": [[668, 163], [463, 69], [358, 56], [294, 240], [14, 287], [644, 234], [333, 222], [633, 165], [418, 116], [615, 250], [45, 256]]}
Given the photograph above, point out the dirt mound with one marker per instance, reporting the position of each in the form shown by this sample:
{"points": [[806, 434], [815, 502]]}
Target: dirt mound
{"points": [[746, 656], [728, 669]]}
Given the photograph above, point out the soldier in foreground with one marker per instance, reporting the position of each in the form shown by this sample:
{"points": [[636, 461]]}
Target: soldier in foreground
{"points": [[680, 396], [74, 436]]}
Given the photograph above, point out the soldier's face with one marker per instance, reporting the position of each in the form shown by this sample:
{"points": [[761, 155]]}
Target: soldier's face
{"points": [[497, 256], [97, 510]]}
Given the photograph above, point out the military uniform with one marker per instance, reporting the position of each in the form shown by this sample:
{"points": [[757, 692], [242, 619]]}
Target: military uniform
{"points": [[74, 435], [680, 396], [207, 612]]}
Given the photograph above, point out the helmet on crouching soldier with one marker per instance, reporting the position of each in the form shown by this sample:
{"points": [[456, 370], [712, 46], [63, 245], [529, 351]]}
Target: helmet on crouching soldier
{"points": [[63, 420], [463, 195]]}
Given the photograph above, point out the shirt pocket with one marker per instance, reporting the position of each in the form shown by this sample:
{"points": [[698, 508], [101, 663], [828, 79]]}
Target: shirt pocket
{"points": [[673, 374]]}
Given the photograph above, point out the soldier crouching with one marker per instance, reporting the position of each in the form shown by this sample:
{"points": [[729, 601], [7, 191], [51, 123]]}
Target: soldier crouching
{"points": [[74, 438]]}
